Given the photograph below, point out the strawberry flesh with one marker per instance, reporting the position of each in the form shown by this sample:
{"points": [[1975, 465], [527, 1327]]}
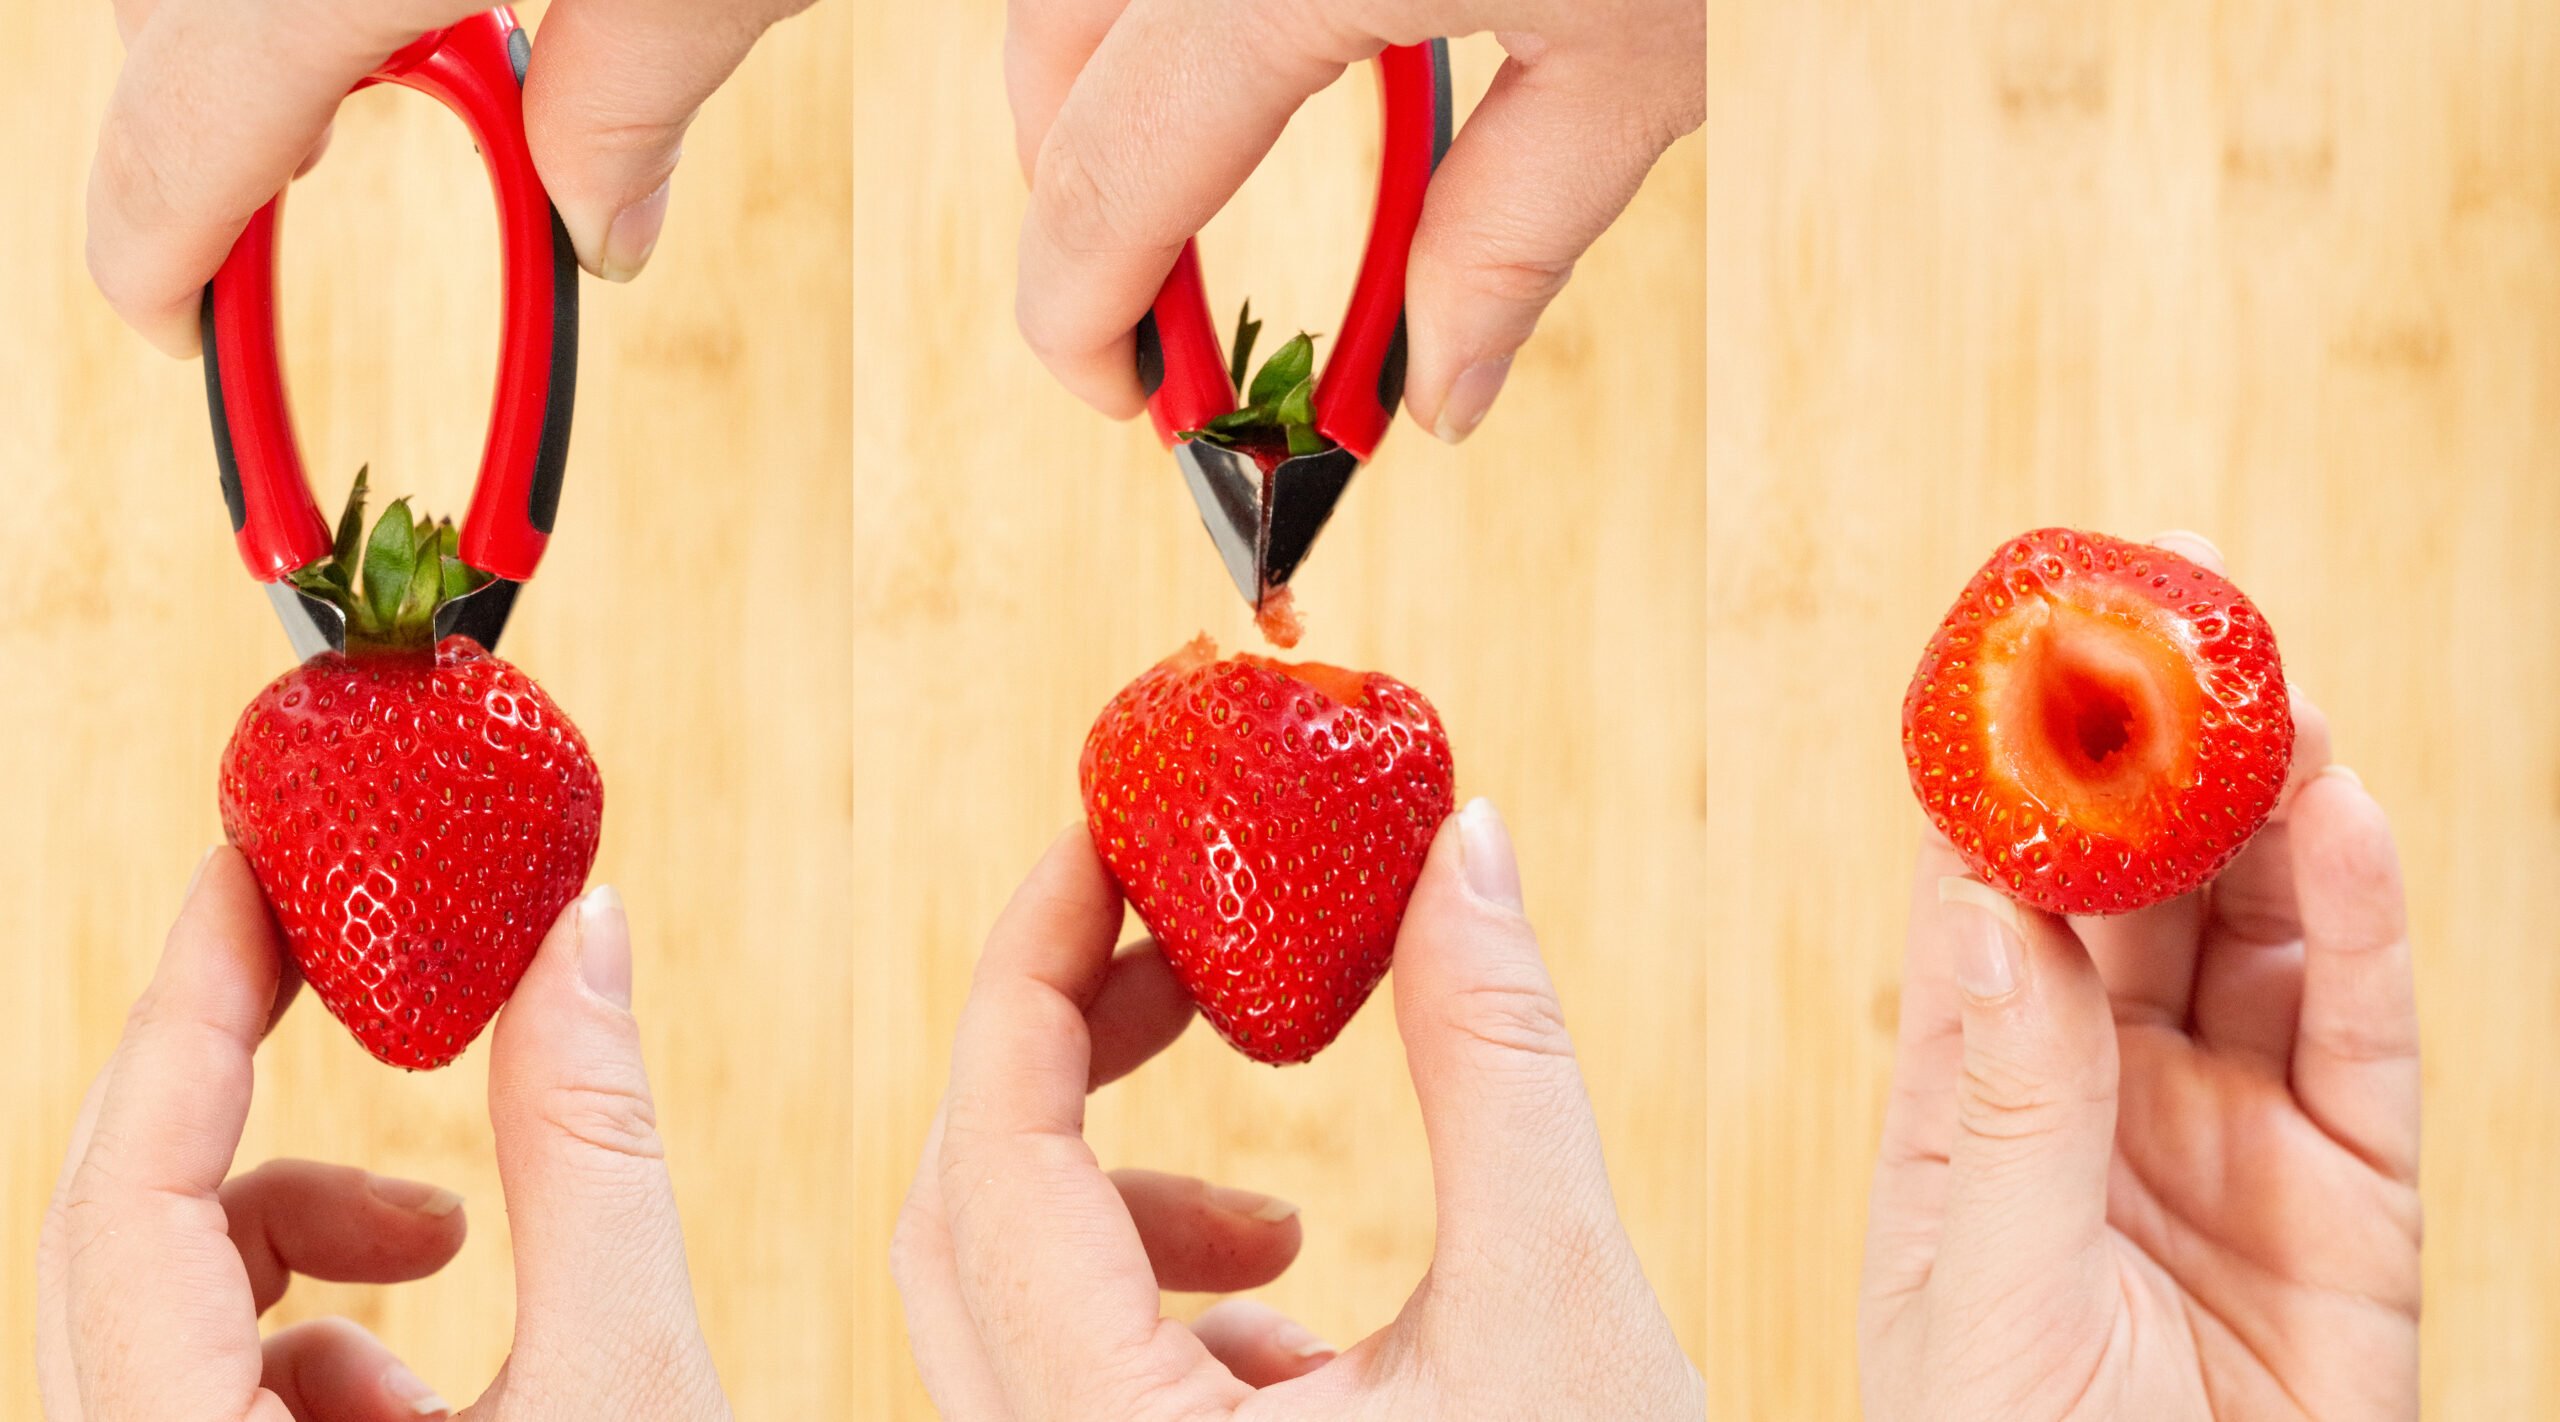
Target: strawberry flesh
{"points": [[1267, 821], [2098, 725]]}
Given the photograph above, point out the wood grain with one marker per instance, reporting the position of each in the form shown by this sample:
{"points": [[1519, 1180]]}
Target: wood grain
{"points": [[1017, 559], [694, 616], [2286, 273]]}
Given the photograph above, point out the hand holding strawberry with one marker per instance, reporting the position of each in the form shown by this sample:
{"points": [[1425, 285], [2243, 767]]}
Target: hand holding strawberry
{"points": [[416, 812], [156, 1260], [1033, 1280], [2161, 1163]]}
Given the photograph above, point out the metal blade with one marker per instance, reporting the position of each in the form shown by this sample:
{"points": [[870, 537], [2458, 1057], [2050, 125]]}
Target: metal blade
{"points": [[1263, 525], [1228, 488], [1298, 499], [311, 625], [480, 614]]}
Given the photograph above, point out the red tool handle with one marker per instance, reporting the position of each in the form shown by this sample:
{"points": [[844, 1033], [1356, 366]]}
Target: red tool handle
{"points": [[1180, 361], [476, 67]]}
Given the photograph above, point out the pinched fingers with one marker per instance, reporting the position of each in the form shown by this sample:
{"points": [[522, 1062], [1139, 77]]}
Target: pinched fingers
{"points": [[1066, 1313], [1046, 44], [612, 89], [1545, 164], [219, 103]]}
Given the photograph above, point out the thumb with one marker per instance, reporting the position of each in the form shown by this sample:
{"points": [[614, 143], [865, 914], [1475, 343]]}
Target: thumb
{"points": [[604, 1305], [611, 89], [1546, 162], [1515, 1152], [2035, 1112]]}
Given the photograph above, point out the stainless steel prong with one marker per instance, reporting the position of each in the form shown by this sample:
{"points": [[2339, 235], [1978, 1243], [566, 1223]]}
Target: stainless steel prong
{"points": [[311, 624]]}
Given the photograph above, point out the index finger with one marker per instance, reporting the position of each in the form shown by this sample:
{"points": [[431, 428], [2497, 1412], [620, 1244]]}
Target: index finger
{"points": [[1180, 102], [219, 103], [1055, 1277], [1046, 44]]}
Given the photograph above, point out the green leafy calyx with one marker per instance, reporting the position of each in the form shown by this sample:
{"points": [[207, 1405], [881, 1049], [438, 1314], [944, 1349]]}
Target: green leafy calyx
{"points": [[1279, 406], [390, 584]]}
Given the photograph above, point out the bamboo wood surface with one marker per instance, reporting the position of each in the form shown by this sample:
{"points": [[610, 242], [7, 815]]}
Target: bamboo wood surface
{"points": [[2285, 273]]}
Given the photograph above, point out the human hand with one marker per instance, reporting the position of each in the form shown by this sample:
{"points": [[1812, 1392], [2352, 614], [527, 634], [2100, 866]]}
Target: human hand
{"points": [[153, 1268], [1136, 120], [222, 102], [1031, 1277], [2159, 1165]]}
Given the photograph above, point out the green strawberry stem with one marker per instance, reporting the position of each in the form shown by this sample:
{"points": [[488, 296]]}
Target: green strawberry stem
{"points": [[391, 590], [1279, 406]]}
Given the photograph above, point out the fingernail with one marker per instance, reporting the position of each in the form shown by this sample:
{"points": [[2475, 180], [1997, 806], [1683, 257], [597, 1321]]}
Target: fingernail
{"points": [[407, 1389], [604, 946], [2345, 773], [1268, 1209], [633, 236], [1988, 946], [1484, 855], [1471, 398], [433, 1201], [1293, 1338], [197, 877], [2191, 536]]}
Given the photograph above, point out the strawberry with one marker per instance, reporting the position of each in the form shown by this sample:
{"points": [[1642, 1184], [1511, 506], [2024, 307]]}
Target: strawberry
{"points": [[1267, 822], [417, 812], [2098, 725]]}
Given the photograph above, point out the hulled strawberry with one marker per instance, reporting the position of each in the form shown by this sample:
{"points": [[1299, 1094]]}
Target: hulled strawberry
{"points": [[1268, 821], [417, 812], [2098, 725]]}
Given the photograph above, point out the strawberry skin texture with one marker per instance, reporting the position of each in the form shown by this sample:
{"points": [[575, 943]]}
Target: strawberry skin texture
{"points": [[417, 821], [1268, 823], [2098, 725]]}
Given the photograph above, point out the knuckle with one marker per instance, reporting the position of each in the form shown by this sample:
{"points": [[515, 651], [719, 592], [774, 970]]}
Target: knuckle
{"points": [[1071, 202], [1087, 206], [613, 1117], [1519, 281], [1515, 1015], [2359, 1041], [2005, 1104]]}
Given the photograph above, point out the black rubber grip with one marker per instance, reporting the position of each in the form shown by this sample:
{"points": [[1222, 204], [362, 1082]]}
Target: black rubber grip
{"points": [[223, 457], [1150, 356], [560, 391]]}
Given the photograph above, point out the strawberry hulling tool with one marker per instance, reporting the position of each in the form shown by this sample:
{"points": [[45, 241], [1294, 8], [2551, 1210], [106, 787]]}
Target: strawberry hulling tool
{"points": [[475, 68], [1264, 501]]}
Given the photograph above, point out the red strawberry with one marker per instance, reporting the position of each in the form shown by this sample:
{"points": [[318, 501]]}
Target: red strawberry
{"points": [[2098, 725], [417, 813], [1267, 821]]}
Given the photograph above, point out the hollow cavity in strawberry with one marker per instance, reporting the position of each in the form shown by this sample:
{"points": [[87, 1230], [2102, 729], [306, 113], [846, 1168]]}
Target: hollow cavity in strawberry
{"points": [[2098, 725]]}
